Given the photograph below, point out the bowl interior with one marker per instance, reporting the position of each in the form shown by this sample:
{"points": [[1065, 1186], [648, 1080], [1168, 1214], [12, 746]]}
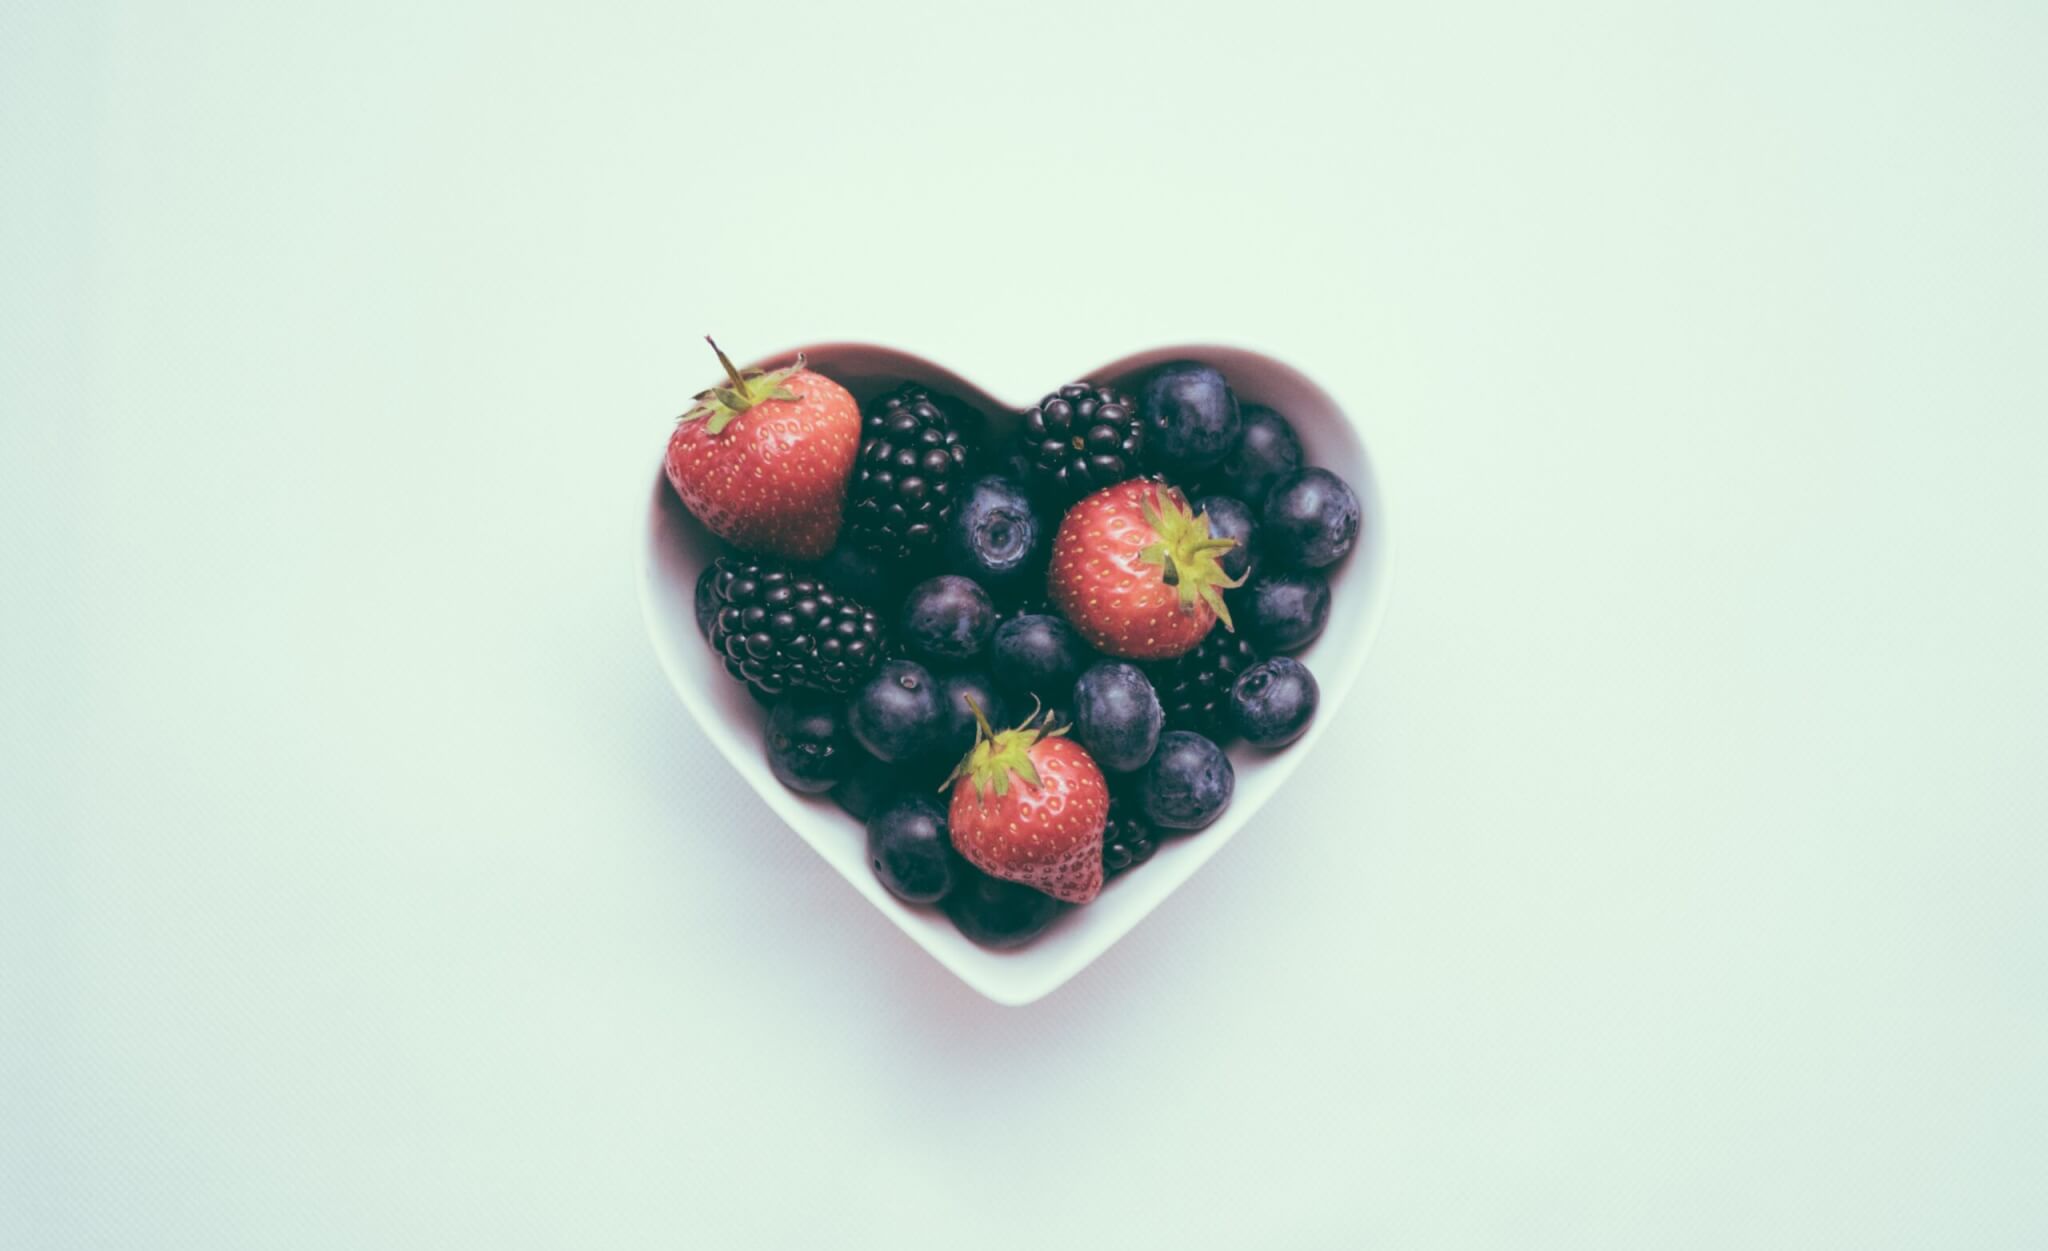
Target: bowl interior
{"points": [[676, 549]]}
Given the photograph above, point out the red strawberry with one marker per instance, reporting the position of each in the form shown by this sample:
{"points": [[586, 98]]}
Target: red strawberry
{"points": [[763, 461], [1029, 806], [1136, 571]]}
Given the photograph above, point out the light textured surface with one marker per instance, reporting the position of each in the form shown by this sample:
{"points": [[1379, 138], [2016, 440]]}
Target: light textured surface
{"points": [[1675, 878]]}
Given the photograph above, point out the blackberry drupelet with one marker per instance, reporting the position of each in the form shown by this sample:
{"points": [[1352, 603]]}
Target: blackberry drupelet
{"points": [[1081, 438], [1127, 841], [779, 630], [911, 462], [1194, 689]]}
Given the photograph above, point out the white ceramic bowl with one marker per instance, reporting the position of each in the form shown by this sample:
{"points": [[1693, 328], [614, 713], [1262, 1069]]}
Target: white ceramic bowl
{"points": [[676, 548]]}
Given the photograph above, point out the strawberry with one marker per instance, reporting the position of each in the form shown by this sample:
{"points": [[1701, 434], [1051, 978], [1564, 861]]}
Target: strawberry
{"points": [[1136, 571], [1029, 806], [763, 461]]}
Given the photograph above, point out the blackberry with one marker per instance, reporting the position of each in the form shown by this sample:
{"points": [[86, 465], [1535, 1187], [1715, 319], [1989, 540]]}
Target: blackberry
{"points": [[779, 630], [911, 462], [1082, 438], [1194, 689], [1127, 841]]}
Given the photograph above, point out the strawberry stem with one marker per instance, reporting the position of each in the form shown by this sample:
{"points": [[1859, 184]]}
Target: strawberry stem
{"points": [[980, 717], [1186, 553], [739, 384], [744, 388], [999, 755]]}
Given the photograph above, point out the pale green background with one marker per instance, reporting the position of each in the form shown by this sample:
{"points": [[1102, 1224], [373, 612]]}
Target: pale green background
{"points": [[1674, 879]]}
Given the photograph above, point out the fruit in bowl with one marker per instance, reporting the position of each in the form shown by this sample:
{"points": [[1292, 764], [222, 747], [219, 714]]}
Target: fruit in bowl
{"points": [[763, 460], [1018, 650], [1139, 573]]}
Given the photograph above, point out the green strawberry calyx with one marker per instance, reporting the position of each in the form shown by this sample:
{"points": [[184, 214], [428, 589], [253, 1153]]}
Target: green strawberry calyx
{"points": [[1187, 556], [718, 406], [997, 754]]}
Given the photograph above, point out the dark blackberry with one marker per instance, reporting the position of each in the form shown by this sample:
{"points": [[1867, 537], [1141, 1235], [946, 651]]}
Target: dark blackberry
{"points": [[1127, 841], [1081, 438], [779, 630], [1194, 689], [911, 461]]}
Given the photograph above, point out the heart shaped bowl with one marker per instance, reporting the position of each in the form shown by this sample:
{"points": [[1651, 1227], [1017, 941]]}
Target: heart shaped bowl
{"points": [[675, 550]]}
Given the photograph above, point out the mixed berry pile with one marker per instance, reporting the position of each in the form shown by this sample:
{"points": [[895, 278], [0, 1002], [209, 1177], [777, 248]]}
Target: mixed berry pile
{"points": [[1017, 659]]}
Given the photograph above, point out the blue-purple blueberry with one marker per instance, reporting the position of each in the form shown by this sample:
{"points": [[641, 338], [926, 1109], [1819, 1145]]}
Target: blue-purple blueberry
{"points": [[1188, 782], [955, 690], [867, 787], [897, 714], [1267, 451], [1232, 518], [1273, 702], [707, 599], [1285, 610], [1191, 418], [1311, 519], [910, 851], [996, 913], [948, 620], [1009, 459], [995, 536], [809, 748], [1037, 654], [1117, 716]]}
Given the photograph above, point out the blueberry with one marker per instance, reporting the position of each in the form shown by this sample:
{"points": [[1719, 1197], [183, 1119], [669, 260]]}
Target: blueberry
{"points": [[1273, 702], [897, 715], [809, 749], [996, 913], [1284, 612], [1231, 518], [995, 536], [1188, 782], [707, 599], [1117, 716], [863, 575], [1037, 654], [869, 786], [1268, 452], [1191, 418], [1311, 519], [948, 619], [908, 845], [1009, 459], [954, 691]]}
